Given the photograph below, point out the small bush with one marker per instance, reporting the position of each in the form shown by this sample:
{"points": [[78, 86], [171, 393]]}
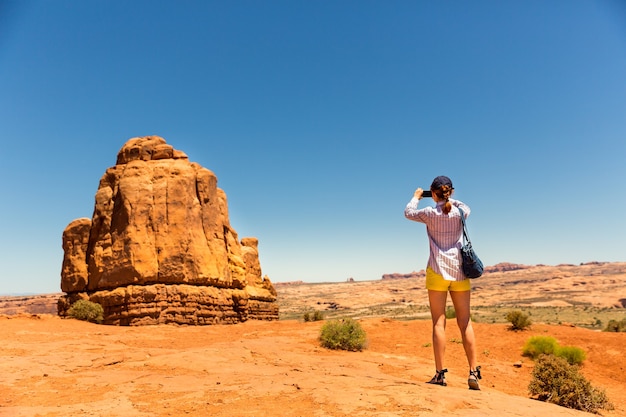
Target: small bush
{"points": [[346, 334], [572, 354], [540, 345], [546, 345], [86, 310], [556, 381], [450, 313], [314, 316], [518, 320], [616, 326]]}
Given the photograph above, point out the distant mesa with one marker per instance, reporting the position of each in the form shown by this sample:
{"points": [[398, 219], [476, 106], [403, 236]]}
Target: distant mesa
{"points": [[396, 275], [159, 247], [505, 267], [289, 283]]}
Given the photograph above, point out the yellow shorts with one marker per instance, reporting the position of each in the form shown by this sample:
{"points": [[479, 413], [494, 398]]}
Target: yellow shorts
{"points": [[435, 281]]}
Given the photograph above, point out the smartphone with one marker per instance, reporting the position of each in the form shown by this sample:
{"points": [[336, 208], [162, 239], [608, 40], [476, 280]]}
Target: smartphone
{"points": [[427, 194]]}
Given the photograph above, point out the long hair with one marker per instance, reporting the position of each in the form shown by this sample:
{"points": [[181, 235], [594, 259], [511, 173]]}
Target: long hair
{"points": [[443, 193]]}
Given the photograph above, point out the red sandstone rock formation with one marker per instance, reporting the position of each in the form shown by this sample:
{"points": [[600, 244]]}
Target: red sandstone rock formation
{"points": [[505, 267], [159, 247]]}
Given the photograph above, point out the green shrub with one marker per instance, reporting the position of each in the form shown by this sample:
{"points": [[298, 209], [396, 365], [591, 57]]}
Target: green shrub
{"points": [[518, 320], [540, 345], [346, 334], [547, 345], [86, 310], [556, 381], [315, 316], [616, 326], [572, 354]]}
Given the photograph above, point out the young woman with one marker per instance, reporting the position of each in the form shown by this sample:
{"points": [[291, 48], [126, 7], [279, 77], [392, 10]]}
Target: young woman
{"points": [[444, 273]]}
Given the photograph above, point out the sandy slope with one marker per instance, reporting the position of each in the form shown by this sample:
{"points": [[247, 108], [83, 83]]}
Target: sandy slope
{"points": [[55, 367]]}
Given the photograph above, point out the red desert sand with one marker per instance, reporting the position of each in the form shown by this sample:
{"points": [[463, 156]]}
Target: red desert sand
{"points": [[61, 367]]}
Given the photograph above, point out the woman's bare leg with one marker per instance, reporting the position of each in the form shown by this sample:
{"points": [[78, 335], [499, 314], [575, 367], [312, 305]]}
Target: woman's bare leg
{"points": [[461, 301], [437, 301]]}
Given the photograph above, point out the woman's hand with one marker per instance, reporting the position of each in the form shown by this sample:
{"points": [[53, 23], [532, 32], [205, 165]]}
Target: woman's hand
{"points": [[418, 193]]}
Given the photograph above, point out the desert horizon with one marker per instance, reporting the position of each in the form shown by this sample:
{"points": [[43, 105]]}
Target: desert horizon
{"points": [[489, 269], [587, 295]]}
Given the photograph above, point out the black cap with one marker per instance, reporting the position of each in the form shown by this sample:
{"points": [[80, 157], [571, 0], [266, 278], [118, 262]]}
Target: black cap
{"points": [[439, 181]]}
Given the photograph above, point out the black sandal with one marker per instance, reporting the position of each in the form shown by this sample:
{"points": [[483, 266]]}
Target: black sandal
{"points": [[439, 378], [474, 376]]}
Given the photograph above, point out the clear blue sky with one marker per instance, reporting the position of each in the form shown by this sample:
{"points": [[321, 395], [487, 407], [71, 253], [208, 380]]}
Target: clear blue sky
{"points": [[320, 118]]}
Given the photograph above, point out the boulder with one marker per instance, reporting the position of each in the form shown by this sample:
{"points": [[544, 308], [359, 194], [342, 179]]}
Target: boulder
{"points": [[159, 247]]}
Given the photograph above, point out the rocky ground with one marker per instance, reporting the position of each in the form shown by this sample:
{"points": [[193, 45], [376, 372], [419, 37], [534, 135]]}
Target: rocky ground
{"points": [[57, 367]]}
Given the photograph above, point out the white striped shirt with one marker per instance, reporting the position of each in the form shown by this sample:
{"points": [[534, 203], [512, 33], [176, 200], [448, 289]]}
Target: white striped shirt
{"points": [[445, 235]]}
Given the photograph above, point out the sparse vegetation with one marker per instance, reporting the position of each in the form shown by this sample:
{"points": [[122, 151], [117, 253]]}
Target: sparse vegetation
{"points": [[572, 354], [537, 346], [540, 345], [616, 326], [518, 320], [590, 317], [558, 382], [313, 316], [343, 334], [87, 311]]}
